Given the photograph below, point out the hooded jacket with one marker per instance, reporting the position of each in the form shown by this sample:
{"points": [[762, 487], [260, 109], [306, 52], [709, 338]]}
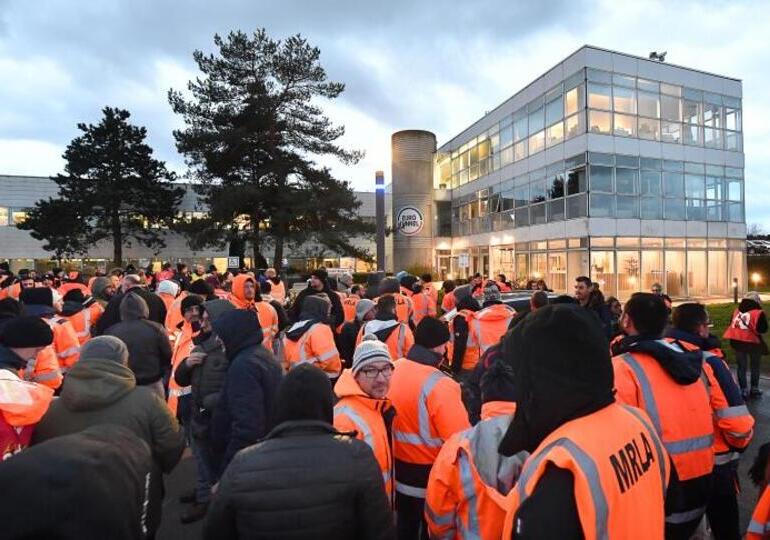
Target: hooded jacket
{"points": [[101, 389], [266, 314], [337, 316], [22, 404], [305, 479], [88, 485], [246, 400], [311, 340], [98, 285], [149, 349], [111, 315], [396, 335]]}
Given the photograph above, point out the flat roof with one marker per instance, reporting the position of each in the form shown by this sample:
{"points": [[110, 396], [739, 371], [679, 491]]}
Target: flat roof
{"points": [[587, 46]]}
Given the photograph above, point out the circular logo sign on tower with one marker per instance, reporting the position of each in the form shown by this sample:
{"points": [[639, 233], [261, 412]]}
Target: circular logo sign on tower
{"points": [[409, 221]]}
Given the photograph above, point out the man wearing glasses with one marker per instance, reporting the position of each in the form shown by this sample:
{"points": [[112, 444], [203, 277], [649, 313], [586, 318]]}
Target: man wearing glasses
{"points": [[363, 407]]}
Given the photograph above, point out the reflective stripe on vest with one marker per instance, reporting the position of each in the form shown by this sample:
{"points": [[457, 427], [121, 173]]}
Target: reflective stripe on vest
{"points": [[359, 422], [411, 491], [48, 376], [658, 448], [469, 494], [724, 459], [674, 447], [179, 392], [305, 359], [29, 371], [591, 472], [424, 437], [758, 528], [443, 520], [68, 352], [731, 412], [86, 323], [477, 325]]}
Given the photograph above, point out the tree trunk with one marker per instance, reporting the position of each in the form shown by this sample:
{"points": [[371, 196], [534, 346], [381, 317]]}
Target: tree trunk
{"points": [[278, 255], [117, 242]]}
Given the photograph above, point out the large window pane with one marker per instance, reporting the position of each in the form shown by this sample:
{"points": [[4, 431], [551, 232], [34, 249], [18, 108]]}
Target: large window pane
{"points": [[712, 138], [674, 209], [651, 208], [506, 136], [576, 206], [554, 110], [734, 190], [696, 210], [628, 273], [521, 195], [624, 99], [521, 217], [732, 118], [734, 212], [694, 186], [712, 115], [625, 180], [713, 211], [574, 100], [648, 105], [603, 271], [649, 129], [554, 134], [599, 122], [652, 269], [601, 178], [733, 141], [675, 273], [555, 189], [520, 150], [718, 272], [599, 96], [625, 125], [692, 111], [537, 142], [602, 205], [574, 125], [714, 187], [649, 183], [736, 264], [673, 184], [692, 135], [556, 210], [520, 129], [627, 207], [576, 181], [670, 132], [670, 108], [536, 120], [696, 277], [537, 214], [537, 191]]}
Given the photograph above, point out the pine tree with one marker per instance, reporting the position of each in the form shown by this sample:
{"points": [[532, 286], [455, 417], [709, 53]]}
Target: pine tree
{"points": [[253, 128], [112, 189]]}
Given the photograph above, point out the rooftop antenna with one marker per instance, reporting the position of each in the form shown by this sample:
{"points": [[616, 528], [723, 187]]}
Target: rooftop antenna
{"points": [[659, 57]]}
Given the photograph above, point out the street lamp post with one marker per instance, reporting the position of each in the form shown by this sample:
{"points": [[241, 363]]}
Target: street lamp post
{"points": [[735, 290]]}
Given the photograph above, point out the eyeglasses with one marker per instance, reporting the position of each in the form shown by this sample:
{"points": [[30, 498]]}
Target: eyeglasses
{"points": [[373, 372]]}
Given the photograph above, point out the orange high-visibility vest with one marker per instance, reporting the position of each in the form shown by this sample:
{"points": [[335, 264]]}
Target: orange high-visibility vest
{"points": [[429, 410], [278, 291], [44, 369], [268, 320], [432, 292], [399, 341], [183, 346], [12, 291], [67, 287], [22, 405], [460, 502], [357, 411], [406, 292], [422, 307], [168, 301], [349, 307], [174, 316], [404, 307], [743, 326], [759, 526], [65, 342], [504, 287], [489, 325], [83, 320], [680, 414], [448, 303], [472, 355], [316, 346], [620, 470]]}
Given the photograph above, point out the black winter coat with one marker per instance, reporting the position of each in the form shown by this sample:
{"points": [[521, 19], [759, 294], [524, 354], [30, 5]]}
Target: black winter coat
{"points": [[337, 316], [111, 313], [346, 341], [305, 480], [246, 401]]}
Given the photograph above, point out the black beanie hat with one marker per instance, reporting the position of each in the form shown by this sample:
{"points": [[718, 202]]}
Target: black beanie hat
{"points": [[320, 273], [37, 296], [189, 301], [304, 394], [27, 332], [75, 295], [497, 383], [9, 307], [431, 333], [199, 286], [562, 371]]}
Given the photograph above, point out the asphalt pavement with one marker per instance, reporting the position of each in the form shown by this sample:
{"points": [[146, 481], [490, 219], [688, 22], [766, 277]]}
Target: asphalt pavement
{"points": [[182, 479]]}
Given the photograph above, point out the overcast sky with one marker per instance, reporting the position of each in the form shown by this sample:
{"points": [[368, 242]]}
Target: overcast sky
{"points": [[407, 64]]}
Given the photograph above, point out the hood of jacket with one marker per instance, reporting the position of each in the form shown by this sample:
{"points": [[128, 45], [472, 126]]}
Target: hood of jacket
{"points": [[133, 307], [168, 287], [706, 344], [499, 472], [237, 329], [467, 302], [37, 310], [237, 290], [70, 308], [381, 329], [748, 304], [315, 308], [421, 355], [98, 285], [9, 360], [22, 403], [347, 387], [298, 329], [496, 312], [683, 366], [94, 383]]}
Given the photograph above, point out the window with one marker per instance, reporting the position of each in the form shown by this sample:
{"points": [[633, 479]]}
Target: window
{"points": [[624, 99], [601, 178], [734, 190], [670, 89], [537, 191], [648, 105], [670, 108], [554, 134], [520, 150], [713, 211], [692, 135], [556, 210], [649, 86], [576, 181], [712, 138], [574, 125], [554, 110], [626, 207], [521, 195], [651, 208], [520, 128], [3, 216], [536, 120], [18, 216], [674, 209], [574, 100], [556, 187], [537, 142], [599, 96], [602, 205], [506, 156], [733, 141], [521, 217], [732, 118], [669, 132], [696, 210], [506, 136], [692, 111], [649, 183], [625, 180], [651, 164], [712, 114], [537, 214], [734, 211], [599, 122], [649, 129], [576, 206], [673, 184], [625, 125], [694, 186]]}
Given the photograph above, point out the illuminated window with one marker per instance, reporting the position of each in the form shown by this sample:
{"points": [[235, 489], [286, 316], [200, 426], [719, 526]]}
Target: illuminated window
{"points": [[599, 96], [537, 142], [18, 217], [648, 105], [670, 132], [574, 125], [624, 99], [3, 216], [573, 100], [555, 134], [625, 125], [599, 122], [649, 129]]}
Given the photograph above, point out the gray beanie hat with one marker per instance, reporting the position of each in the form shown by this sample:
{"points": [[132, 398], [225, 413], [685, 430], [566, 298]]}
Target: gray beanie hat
{"points": [[363, 307], [370, 350], [491, 293], [105, 348]]}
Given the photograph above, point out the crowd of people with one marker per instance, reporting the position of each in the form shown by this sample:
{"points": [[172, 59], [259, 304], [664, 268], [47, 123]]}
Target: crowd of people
{"points": [[395, 409]]}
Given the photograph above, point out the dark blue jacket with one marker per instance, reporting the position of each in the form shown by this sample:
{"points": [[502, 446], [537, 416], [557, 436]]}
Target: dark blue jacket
{"points": [[242, 414]]}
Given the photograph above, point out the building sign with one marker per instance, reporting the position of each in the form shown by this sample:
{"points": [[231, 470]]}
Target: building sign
{"points": [[409, 221], [463, 260], [233, 262]]}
